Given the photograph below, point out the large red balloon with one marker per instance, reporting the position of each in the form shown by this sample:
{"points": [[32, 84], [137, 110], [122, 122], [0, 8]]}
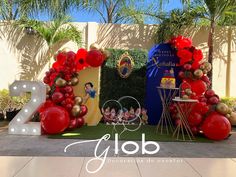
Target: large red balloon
{"points": [[95, 58], [45, 105], [198, 86], [54, 119], [216, 126]]}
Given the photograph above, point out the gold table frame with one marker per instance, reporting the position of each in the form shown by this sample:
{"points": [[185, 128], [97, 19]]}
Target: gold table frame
{"points": [[166, 99], [184, 108]]}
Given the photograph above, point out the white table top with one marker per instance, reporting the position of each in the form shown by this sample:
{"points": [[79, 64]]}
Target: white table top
{"points": [[178, 99]]}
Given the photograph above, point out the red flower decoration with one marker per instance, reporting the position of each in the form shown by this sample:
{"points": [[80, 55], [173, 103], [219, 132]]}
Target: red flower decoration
{"points": [[80, 59], [181, 42], [185, 56], [197, 55]]}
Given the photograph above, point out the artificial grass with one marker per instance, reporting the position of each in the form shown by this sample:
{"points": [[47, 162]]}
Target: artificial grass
{"points": [[96, 132]]}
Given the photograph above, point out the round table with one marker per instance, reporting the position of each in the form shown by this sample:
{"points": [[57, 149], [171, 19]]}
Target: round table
{"points": [[165, 122], [184, 108]]}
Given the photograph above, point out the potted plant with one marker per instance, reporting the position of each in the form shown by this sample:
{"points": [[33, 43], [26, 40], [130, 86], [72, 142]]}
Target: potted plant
{"points": [[11, 105]]}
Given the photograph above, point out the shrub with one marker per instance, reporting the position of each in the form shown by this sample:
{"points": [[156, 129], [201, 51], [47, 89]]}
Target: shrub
{"points": [[230, 101], [114, 87]]}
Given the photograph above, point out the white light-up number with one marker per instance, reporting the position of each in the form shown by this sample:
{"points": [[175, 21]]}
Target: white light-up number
{"points": [[21, 124]]}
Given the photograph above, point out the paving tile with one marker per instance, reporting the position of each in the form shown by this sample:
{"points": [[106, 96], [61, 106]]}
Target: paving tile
{"points": [[213, 167], [52, 167], [163, 167], [115, 167], [234, 159], [9, 166]]}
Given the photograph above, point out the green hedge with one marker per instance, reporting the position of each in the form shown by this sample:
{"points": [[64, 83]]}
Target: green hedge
{"points": [[114, 87]]}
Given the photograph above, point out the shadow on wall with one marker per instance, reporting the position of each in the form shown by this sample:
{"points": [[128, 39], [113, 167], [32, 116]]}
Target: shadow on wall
{"points": [[31, 51], [200, 39], [123, 36]]}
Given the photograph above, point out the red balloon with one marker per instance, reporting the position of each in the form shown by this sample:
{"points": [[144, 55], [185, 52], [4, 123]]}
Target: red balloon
{"points": [[194, 130], [54, 119], [71, 55], [83, 110], [80, 122], [69, 107], [198, 86], [216, 126], [56, 66], [194, 119], [95, 58], [73, 124], [201, 108], [68, 89], [45, 105], [57, 97], [213, 100], [209, 93], [61, 58]]}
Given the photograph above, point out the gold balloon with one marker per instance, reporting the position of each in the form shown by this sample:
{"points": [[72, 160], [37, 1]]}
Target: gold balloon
{"points": [[228, 116], [78, 100], [48, 88], [207, 64], [198, 73], [66, 49], [232, 118], [69, 83], [75, 110], [230, 110], [205, 71], [222, 108], [185, 97], [188, 91], [106, 53], [74, 81], [61, 82], [202, 67], [94, 46]]}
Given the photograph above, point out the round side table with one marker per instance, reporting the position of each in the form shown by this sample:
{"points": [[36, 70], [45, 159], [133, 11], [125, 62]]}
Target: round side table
{"points": [[165, 123], [184, 108]]}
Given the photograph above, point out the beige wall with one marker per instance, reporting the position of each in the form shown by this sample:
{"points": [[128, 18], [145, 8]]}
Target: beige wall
{"points": [[18, 50]]}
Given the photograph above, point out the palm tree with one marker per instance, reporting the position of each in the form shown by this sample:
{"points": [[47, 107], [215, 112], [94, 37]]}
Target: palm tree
{"points": [[213, 11], [173, 24], [229, 20], [7, 12], [114, 11], [57, 32]]}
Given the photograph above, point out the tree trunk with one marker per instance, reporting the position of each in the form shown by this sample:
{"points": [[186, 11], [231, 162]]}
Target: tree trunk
{"points": [[211, 47], [228, 64]]}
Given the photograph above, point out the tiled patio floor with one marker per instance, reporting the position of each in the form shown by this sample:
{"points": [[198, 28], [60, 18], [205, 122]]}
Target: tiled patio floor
{"points": [[116, 167]]}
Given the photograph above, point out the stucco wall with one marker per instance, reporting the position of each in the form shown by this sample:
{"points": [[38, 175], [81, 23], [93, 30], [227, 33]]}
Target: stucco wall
{"points": [[18, 50]]}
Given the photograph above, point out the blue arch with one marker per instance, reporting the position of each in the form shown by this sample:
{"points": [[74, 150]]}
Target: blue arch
{"points": [[160, 58]]}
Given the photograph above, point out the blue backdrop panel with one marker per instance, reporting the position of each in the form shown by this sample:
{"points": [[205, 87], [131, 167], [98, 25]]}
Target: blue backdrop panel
{"points": [[160, 58]]}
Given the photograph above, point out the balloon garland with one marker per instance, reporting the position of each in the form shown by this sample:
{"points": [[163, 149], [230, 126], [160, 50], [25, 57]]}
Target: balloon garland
{"points": [[63, 110], [209, 114]]}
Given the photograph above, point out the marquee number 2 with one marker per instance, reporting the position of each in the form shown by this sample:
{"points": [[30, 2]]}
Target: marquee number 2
{"points": [[21, 124]]}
